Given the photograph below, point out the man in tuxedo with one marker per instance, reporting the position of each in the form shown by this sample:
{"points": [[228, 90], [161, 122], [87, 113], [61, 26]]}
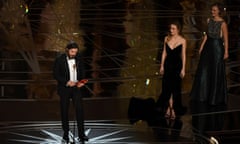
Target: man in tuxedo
{"points": [[68, 70]]}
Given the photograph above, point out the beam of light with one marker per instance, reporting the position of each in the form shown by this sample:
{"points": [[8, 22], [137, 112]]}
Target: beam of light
{"points": [[213, 140], [107, 135], [56, 139], [52, 135]]}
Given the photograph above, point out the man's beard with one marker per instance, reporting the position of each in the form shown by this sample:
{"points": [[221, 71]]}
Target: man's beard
{"points": [[71, 57]]}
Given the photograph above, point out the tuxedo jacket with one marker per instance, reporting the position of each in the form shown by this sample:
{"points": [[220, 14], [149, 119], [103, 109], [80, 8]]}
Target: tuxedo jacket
{"points": [[61, 69]]}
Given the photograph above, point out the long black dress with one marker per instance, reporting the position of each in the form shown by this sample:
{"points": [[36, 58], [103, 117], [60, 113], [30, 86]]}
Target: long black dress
{"points": [[171, 81], [210, 79]]}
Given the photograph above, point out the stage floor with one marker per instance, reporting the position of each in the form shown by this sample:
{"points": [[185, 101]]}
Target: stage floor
{"points": [[107, 121], [108, 132], [179, 131]]}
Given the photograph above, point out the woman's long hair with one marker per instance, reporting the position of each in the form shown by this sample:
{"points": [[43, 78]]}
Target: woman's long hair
{"points": [[222, 10], [178, 25]]}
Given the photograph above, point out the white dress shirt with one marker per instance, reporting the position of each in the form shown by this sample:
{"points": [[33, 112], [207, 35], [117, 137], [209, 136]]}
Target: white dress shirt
{"points": [[72, 69]]}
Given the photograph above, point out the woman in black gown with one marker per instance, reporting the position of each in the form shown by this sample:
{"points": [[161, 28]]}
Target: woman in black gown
{"points": [[173, 70], [210, 79]]}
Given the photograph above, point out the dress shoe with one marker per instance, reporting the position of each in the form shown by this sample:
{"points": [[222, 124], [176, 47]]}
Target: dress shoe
{"points": [[65, 137], [83, 138], [65, 141]]}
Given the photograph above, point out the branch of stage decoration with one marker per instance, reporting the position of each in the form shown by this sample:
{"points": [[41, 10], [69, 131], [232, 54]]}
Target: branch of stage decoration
{"points": [[83, 83]]}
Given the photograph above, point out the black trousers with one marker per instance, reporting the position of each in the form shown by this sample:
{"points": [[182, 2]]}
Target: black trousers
{"points": [[66, 94]]}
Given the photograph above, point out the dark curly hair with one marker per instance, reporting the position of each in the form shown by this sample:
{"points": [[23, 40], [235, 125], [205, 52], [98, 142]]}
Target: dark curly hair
{"points": [[71, 45]]}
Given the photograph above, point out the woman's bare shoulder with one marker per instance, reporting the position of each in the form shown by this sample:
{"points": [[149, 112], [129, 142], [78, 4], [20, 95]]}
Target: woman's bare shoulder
{"points": [[166, 38], [182, 39]]}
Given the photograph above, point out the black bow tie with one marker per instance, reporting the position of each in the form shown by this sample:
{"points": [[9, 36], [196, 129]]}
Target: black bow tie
{"points": [[70, 58]]}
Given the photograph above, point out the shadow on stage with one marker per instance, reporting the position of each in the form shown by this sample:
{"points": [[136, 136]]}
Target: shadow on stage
{"points": [[146, 110], [206, 121]]}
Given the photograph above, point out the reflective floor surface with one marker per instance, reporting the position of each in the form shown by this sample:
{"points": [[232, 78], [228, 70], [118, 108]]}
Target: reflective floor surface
{"points": [[98, 132], [119, 121], [219, 128]]}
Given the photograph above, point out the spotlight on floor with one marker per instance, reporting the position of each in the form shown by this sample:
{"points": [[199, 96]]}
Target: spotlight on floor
{"points": [[213, 140]]}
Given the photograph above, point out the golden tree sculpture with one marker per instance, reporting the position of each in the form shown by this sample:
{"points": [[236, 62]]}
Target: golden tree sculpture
{"points": [[17, 32], [142, 37], [60, 24]]}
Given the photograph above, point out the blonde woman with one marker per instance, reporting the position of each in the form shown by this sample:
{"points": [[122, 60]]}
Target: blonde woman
{"points": [[210, 79]]}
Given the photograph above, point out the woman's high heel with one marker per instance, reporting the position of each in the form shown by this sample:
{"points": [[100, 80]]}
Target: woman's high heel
{"points": [[173, 115], [168, 113]]}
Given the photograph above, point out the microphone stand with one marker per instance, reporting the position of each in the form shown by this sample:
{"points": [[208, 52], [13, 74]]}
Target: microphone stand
{"points": [[74, 121], [74, 117]]}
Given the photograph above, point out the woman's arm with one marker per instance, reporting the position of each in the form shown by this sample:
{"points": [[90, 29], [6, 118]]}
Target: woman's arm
{"points": [[225, 39], [202, 43], [184, 47], [164, 54], [204, 39]]}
